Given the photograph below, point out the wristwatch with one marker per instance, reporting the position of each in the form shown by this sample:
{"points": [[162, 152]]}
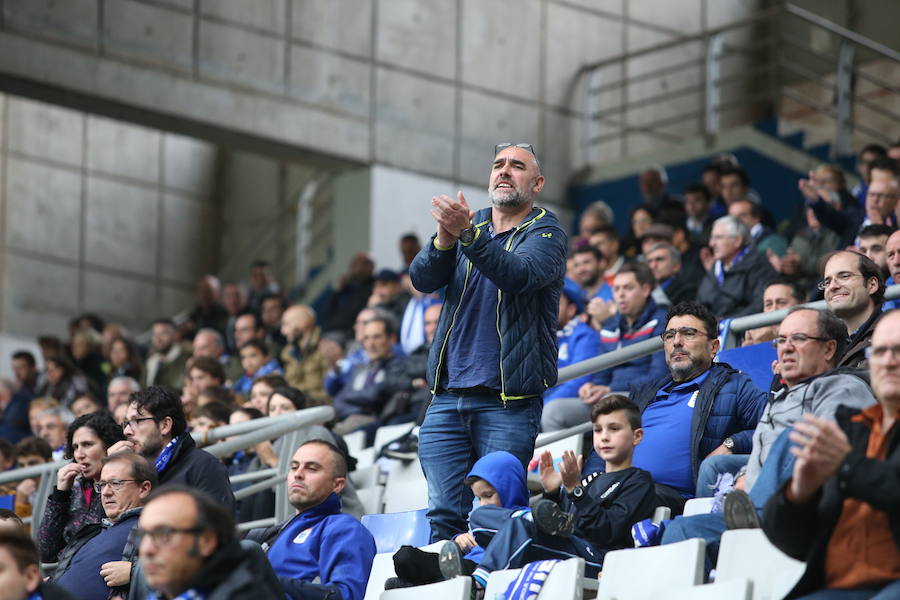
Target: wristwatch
{"points": [[577, 492], [467, 235], [729, 443]]}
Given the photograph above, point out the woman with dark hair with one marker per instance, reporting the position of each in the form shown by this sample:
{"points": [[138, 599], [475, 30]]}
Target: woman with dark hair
{"points": [[123, 359], [73, 502], [64, 382], [642, 217]]}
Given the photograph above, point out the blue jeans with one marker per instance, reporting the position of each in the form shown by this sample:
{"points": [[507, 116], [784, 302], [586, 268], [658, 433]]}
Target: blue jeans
{"points": [[889, 592], [713, 466], [777, 468], [457, 431]]}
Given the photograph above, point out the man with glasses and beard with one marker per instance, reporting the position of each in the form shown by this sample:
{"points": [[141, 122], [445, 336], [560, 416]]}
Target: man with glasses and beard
{"points": [[155, 427], [698, 409], [494, 352]]}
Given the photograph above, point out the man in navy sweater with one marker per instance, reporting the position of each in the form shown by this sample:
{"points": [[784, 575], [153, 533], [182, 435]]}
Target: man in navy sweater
{"points": [[319, 543], [100, 556]]}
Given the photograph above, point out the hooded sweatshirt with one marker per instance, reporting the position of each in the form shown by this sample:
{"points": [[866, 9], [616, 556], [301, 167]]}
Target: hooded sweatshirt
{"points": [[504, 473]]}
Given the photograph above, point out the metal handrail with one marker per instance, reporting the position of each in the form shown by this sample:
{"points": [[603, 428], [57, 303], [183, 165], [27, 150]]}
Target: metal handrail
{"points": [[842, 31], [285, 423]]}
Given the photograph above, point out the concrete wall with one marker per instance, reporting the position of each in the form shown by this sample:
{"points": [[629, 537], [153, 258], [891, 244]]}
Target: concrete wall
{"points": [[98, 215], [426, 86]]}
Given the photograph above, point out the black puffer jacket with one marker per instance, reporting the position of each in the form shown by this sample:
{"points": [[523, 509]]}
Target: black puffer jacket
{"points": [[742, 290], [198, 469]]}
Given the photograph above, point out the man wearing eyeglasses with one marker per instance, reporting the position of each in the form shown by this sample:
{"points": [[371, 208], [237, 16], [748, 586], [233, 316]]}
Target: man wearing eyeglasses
{"points": [[838, 511], [155, 427], [98, 560], [494, 352], [809, 342], [854, 290]]}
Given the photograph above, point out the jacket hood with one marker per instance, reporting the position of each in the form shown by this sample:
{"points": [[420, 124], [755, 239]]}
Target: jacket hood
{"points": [[505, 474]]}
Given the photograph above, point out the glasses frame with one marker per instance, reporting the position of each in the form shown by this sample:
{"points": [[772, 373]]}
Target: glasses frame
{"points": [[823, 285], [114, 484], [166, 532], [680, 330], [135, 422], [793, 343]]}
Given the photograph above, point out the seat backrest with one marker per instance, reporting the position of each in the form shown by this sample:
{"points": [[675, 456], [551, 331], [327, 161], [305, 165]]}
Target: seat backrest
{"points": [[698, 506], [389, 433], [365, 477], [573, 442], [372, 499], [401, 496], [498, 581], [458, 588], [383, 568], [564, 581], [356, 441], [736, 589], [392, 530], [404, 471], [755, 361], [625, 572], [748, 554]]}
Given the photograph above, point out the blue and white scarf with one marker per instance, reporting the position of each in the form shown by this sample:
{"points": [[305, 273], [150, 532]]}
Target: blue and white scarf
{"points": [[530, 580], [162, 461]]}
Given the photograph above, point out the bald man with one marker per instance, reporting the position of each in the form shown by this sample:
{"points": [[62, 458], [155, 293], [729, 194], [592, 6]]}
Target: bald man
{"points": [[304, 365]]}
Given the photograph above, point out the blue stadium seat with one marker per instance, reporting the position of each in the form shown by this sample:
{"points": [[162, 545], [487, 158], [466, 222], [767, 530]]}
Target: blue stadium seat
{"points": [[392, 530], [755, 361]]}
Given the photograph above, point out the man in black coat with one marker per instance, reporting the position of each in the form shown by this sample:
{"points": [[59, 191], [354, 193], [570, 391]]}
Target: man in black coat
{"points": [[734, 285], [155, 427], [838, 512], [673, 285]]}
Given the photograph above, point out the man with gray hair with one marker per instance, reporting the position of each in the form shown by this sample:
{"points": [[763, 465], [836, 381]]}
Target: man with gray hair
{"points": [[672, 287], [119, 391], [735, 283], [210, 343], [52, 425], [653, 181]]}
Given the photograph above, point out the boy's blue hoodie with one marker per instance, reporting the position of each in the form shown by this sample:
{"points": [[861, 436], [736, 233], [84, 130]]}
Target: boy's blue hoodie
{"points": [[505, 474]]}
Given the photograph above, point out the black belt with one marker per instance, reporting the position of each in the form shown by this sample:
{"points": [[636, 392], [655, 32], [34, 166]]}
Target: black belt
{"points": [[471, 391]]}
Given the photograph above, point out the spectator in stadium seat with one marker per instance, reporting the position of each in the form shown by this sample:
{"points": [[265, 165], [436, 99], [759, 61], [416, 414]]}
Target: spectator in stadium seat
{"points": [[165, 365], [653, 182], [361, 400], [247, 326], [873, 243], [98, 560], [63, 382], [578, 341], [867, 155], [699, 408], [495, 347], [638, 318], [205, 372], [781, 293], [734, 185], [30, 451], [86, 357], [257, 362], [73, 504], [52, 426], [809, 344], [319, 552], [597, 214], [87, 403], [642, 218], [698, 206], [304, 365], [189, 549], [119, 390], [155, 427], [838, 512], [587, 271], [807, 248], [234, 299], [388, 293], [262, 389], [262, 284], [24, 368], [764, 239], [350, 295], [893, 265], [404, 382], [13, 412], [854, 291], [124, 359], [210, 344], [664, 261], [21, 570], [208, 312], [273, 307], [606, 240], [734, 285]]}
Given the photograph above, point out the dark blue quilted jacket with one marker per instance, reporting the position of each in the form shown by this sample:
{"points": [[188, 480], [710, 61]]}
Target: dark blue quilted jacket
{"points": [[729, 405], [528, 270]]}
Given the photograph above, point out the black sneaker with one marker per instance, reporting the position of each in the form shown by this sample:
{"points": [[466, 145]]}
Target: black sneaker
{"points": [[551, 519], [450, 560], [739, 511]]}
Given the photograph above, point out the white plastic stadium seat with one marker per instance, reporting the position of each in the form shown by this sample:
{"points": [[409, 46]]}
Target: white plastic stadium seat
{"points": [[389, 433], [383, 568], [366, 477], [748, 553], [736, 589], [649, 573], [402, 496], [458, 588], [356, 441], [565, 582], [574, 443], [698, 506], [371, 498]]}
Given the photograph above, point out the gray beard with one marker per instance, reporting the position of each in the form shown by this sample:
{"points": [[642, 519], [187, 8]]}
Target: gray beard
{"points": [[512, 201]]}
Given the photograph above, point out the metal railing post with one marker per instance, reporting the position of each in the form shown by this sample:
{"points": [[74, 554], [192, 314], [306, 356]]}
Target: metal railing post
{"points": [[587, 119], [713, 92], [844, 98]]}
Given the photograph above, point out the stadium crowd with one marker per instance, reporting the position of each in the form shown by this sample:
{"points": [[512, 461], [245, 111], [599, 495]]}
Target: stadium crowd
{"points": [[466, 342]]}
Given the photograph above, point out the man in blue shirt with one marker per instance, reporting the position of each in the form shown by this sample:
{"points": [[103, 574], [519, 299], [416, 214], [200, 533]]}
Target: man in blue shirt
{"points": [[494, 352], [699, 408]]}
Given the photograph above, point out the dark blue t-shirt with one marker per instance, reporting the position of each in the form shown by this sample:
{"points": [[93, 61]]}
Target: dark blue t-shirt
{"points": [[665, 450], [473, 351]]}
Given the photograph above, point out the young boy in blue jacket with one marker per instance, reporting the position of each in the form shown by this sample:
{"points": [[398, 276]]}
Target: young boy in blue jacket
{"points": [[497, 479], [577, 517]]}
